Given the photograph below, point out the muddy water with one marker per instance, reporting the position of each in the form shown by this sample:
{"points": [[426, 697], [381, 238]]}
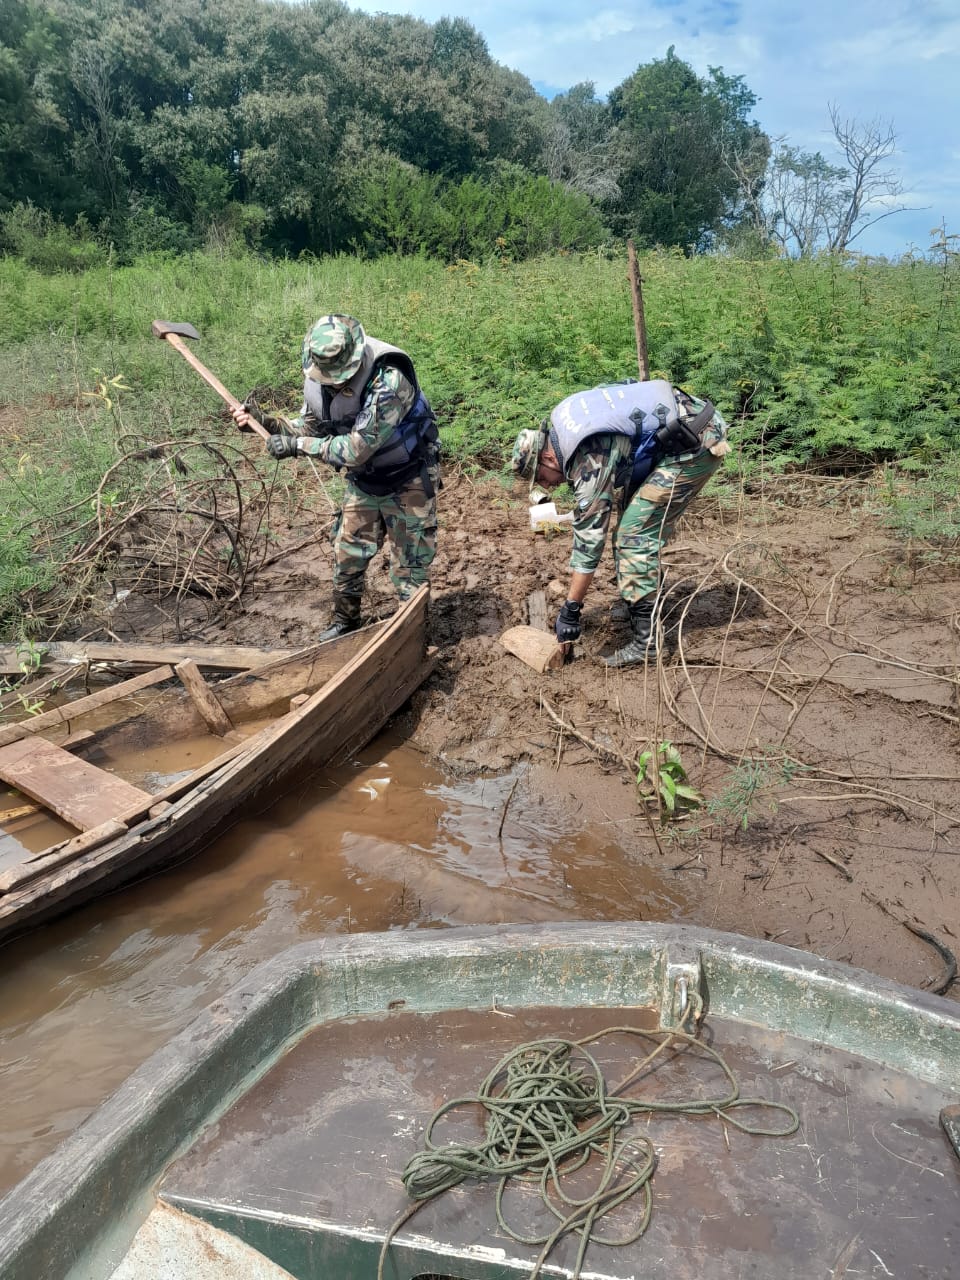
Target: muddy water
{"points": [[386, 843]]}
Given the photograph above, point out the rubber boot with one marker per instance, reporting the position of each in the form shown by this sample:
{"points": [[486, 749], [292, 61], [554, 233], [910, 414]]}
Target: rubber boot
{"points": [[346, 617], [643, 645]]}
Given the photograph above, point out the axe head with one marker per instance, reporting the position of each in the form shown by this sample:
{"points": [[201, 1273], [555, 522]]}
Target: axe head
{"points": [[160, 329]]}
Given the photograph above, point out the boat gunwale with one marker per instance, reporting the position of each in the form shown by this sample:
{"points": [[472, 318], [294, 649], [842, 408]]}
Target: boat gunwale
{"points": [[119, 1152]]}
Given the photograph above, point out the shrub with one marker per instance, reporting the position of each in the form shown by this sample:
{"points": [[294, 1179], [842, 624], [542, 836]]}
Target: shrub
{"points": [[48, 245]]}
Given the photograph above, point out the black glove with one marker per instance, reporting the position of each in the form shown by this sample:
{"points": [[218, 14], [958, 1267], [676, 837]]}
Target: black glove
{"points": [[282, 446], [568, 622]]}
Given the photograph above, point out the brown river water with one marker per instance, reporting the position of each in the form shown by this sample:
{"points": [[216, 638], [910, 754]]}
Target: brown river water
{"points": [[385, 843]]}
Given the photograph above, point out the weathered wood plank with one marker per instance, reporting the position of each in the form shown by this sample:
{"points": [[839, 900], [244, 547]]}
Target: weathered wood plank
{"points": [[223, 657], [245, 697], [537, 610], [203, 697], [80, 706], [76, 791], [21, 811], [33, 868], [363, 729]]}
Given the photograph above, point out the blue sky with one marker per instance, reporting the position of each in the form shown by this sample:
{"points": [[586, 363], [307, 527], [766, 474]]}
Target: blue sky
{"points": [[892, 59]]}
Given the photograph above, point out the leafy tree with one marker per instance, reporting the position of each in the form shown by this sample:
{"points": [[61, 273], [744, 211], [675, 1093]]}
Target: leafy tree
{"points": [[673, 132], [34, 133]]}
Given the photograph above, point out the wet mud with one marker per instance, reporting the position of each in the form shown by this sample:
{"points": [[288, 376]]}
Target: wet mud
{"points": [[809, 682]]}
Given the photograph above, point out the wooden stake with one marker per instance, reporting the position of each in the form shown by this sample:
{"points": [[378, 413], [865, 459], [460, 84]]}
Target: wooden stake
{"points": [[537, 610], [639, 323]]}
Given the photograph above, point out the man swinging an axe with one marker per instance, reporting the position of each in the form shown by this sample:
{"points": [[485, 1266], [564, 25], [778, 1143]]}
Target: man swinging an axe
{"points": [[364, 414]]}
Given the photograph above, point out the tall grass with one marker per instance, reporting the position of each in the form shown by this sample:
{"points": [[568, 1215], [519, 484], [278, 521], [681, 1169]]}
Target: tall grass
{"points": [[810, 359]]}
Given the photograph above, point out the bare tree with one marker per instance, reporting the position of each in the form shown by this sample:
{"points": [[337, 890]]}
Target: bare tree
{"points": [[92, 74], [865, 147], [805, 204], [577, 148]]}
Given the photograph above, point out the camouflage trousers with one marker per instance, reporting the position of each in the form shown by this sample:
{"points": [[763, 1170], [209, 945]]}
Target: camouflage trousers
{"points": [[407, 520], [651, 517]]}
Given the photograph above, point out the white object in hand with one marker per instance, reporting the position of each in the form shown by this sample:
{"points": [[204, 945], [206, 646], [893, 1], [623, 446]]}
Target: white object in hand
{"points": [[546, 513]]}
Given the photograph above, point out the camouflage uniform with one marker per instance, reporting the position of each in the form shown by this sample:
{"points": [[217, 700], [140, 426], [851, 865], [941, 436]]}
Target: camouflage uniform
{"points": [[406, 517], [598, 471]]}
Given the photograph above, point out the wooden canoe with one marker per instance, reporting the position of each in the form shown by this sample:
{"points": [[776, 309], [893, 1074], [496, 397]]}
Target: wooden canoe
{"points": [[267, 1140], [311, 708]]}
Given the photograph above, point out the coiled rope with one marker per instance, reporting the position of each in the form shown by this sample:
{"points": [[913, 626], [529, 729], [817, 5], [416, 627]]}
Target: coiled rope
{"points": [[548, 1110]]}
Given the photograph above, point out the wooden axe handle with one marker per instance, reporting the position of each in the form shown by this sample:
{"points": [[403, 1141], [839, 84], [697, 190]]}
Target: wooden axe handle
{"points": [[176, 341]]}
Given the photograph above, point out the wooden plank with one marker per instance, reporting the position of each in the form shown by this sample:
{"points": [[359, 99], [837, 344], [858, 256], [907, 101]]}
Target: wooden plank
{"points": [[76, 791], [33, 868], [71, 710], [204, 699], [362, 731], [244, 697], [223, 657], [537, 610], [31, 810], [21, 811]]}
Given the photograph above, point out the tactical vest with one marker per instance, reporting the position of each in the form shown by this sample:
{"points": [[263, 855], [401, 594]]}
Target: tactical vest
{"points": [[634, 409], [403, 454]]}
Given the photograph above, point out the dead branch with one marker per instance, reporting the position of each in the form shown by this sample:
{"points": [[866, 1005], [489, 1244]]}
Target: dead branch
{"points": [[834, 862], [949, 974]]}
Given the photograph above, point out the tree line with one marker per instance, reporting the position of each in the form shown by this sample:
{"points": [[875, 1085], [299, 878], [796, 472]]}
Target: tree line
{"points": [[308, 127]]}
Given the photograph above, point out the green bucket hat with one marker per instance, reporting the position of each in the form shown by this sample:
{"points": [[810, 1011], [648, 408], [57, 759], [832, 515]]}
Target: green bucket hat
{"points": [[333, 349], [526, 453]]}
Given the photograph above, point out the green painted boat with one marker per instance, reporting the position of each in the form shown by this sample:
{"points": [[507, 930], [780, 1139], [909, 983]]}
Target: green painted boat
{"points": [[269, 1138]]}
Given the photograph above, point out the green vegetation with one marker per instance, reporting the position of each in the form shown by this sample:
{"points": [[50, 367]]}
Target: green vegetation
{"points": [[747, 785], [662, 780], [310, 127], [814, 362]]}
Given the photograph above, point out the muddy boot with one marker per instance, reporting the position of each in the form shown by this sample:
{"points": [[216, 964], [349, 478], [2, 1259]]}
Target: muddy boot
{"points": [[346, 617], [643, 645]]}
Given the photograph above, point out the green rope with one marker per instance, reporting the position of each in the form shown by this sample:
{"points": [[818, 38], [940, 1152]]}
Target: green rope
{"points": [[548, 1110]]}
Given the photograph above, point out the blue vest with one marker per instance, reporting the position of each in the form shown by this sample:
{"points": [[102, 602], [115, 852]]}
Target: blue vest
{"points": [[403, 454]]}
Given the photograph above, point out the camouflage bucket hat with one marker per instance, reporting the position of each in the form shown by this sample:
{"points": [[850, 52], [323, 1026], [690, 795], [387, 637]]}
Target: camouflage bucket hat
{"points": [[526, 454], [333, 349]]}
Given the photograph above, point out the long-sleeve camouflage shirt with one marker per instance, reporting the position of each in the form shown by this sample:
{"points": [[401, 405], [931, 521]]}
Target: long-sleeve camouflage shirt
{"points": [[387, 399], [598, 472]]}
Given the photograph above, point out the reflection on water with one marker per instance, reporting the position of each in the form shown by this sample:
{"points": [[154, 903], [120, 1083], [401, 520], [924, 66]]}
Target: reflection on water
{"points": [[385, 843]]}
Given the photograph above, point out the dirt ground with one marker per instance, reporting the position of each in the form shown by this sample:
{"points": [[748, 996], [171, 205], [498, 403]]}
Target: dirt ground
{"points": [[809, 680]]}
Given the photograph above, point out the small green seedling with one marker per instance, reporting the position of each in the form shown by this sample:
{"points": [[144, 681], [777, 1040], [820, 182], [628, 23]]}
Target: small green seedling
{"points": [[661, 777]]}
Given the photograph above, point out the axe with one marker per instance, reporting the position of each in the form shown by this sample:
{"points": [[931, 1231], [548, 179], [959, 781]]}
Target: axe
{"points": [[174, 334]]}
